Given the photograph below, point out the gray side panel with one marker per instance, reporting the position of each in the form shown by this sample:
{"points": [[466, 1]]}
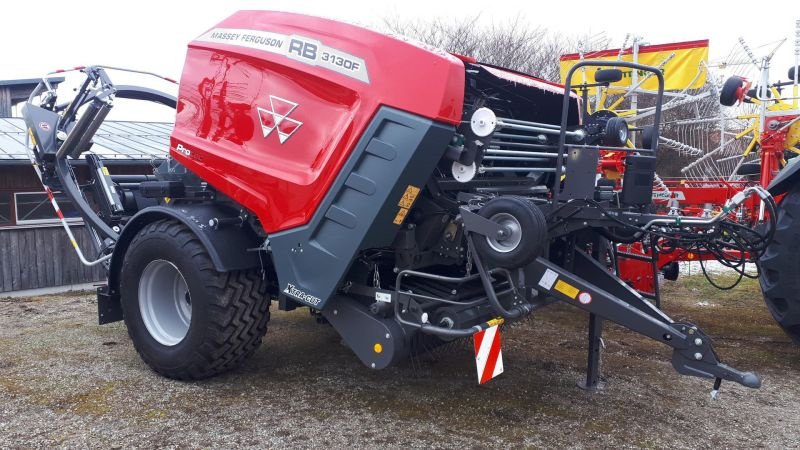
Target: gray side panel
{"points": [[397, 150], [361, 330]]}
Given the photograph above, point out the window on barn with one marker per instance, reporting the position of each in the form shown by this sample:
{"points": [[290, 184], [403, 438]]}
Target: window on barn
{"points": [[5, 209], [35, 208]]}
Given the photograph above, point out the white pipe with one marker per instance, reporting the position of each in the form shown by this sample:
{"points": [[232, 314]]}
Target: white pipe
{"points": [[635, 83]]}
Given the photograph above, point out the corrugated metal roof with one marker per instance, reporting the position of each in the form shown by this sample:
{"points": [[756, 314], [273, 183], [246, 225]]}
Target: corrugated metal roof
{"points": [[115, 140], [30, 81]]}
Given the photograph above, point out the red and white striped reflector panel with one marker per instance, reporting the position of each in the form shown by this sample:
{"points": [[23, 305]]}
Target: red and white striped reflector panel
{"points": [[488, 354]]}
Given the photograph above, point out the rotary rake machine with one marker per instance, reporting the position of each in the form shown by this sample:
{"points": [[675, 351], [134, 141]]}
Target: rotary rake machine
{"points": [[729, 151]]}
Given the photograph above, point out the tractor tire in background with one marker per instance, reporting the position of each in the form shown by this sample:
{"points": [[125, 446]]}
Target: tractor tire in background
{"points": [[780, 267], [186, 320], [729, 94]]}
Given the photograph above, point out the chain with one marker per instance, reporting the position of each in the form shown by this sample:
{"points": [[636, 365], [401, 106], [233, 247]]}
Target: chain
{"points": [[469, 260], [376, 278]]}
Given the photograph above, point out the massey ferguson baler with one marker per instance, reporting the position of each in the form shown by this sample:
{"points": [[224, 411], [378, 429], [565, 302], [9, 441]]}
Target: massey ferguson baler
{"points": [[407, 196]]}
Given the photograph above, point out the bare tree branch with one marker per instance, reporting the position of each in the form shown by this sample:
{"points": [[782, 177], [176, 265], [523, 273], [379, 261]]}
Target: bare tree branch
{"points": [[514, 44]]}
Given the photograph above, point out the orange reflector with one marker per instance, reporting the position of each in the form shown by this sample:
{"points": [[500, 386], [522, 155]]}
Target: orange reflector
{"points": [[378, 347]]}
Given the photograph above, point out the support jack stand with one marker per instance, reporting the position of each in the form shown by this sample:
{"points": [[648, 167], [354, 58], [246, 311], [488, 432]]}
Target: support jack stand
{"points": [[606, 297], [593, 382]]}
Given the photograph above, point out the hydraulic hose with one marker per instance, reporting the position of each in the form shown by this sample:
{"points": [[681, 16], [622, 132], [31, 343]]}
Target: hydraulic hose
{"points": [[465, 332], [429, 328], [515, 312]]}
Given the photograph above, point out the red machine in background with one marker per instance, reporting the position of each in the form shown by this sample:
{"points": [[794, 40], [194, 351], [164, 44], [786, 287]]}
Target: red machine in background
{"points": [[775, 136], [640, 265]]}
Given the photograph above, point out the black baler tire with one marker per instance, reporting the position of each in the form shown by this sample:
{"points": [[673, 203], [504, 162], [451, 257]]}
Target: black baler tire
{"points": [[534, 232], [230, 310], [647, 137], [611, 132], [727, 96], [752, 168], [780, 267]]}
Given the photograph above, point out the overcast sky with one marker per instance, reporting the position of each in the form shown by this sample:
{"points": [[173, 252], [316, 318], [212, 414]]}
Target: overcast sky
{"points": [[48, 34]]}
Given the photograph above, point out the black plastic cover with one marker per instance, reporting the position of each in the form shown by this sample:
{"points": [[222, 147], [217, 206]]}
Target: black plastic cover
{"points": [[42, 124], [158, 189], [637, 185]]}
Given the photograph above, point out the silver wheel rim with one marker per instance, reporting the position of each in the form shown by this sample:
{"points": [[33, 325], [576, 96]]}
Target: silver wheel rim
{"points": [[164, 302], [514, 229]]}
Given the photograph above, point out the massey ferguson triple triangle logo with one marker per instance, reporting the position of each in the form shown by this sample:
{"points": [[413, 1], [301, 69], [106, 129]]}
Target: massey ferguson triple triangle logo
{"points": [[277, 118]]}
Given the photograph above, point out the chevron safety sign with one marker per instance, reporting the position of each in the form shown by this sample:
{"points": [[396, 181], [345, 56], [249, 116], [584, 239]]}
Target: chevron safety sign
{"points": [[488, 354]]}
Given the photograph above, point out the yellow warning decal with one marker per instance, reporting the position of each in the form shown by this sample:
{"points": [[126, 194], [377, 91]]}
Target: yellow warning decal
{"points": [[401, 216], [567, 289], [409, 196], [105, 171]]}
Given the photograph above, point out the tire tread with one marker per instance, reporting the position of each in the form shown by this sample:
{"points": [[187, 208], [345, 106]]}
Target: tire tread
{"points": [[239, 316], [779, 266]]}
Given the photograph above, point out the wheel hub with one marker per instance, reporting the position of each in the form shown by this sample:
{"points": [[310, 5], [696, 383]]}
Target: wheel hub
{"points": [[165, 302], [511, 234]]}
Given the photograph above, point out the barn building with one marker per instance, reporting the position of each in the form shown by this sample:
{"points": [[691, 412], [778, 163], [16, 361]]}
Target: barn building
{"points": [[35, 254]]}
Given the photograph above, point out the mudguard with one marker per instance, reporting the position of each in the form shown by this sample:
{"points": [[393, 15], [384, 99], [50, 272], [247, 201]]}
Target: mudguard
{"points": [[230, 248]]}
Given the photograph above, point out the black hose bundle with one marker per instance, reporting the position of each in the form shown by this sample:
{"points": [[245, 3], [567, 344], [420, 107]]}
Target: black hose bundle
{"points": [[730, 243], [739, 245]]}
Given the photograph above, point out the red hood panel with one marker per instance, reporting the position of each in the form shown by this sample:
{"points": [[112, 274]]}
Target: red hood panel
{"points": [[272, 104]]}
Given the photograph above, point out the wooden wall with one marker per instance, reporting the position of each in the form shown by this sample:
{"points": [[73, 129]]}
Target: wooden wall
{"points": [[32, 258], [19, 178], [40, 256]]}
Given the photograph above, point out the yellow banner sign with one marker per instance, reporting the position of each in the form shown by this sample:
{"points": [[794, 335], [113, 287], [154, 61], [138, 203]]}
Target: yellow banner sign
{"points": [[683, 68]]}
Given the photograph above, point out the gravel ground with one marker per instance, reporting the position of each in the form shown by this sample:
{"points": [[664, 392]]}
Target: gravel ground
{"points": [[67, 382]]}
